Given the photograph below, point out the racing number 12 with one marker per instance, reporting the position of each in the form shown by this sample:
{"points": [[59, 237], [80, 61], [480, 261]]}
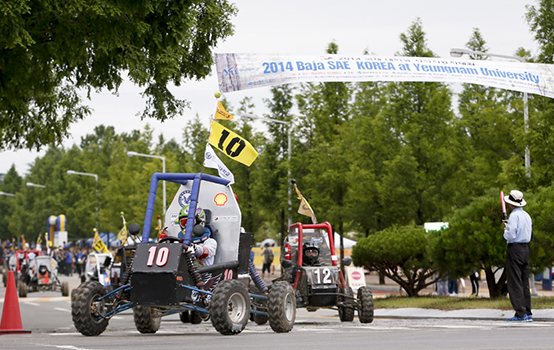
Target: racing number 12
{"points": [[326, 276], [163, 256]]}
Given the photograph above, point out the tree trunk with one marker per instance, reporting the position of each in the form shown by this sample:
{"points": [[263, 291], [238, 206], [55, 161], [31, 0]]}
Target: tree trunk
{"points": [[495, 288]]}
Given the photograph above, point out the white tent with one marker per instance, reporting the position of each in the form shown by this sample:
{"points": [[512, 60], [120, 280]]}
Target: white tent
{"points": [[348, 243]]}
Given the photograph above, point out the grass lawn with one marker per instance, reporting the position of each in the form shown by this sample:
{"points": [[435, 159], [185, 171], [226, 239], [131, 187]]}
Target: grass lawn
{"points": [[456, 303]]}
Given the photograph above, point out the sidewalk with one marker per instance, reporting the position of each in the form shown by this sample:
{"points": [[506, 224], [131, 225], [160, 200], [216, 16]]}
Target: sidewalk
{"points": [[392, 288]]}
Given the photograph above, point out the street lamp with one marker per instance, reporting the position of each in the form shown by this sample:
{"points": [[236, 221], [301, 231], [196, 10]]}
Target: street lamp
{"points": [[461, 52], [30, 184], [289, 150], [73, 172], [7, 194], [132, 154]]}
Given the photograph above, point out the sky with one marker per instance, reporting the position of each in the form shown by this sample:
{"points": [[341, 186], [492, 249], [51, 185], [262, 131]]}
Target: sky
{"points": [[306, 28]]}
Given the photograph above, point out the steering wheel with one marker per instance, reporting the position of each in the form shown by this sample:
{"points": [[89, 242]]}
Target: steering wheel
{"points": [[170, 239]]}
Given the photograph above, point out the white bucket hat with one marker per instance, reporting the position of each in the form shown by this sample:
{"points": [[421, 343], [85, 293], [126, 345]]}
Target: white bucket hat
{"points": [[515, 198]]}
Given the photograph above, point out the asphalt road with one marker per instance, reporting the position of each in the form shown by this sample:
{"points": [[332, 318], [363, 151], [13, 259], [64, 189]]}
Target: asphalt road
{"points": [[48, 316]]}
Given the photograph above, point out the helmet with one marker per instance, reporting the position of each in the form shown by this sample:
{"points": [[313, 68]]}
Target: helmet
{"points": [[310, 253], [199, 219], [199, 234]]}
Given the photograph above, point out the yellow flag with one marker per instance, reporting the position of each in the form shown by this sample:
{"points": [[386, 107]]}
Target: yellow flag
{"points": [[122, 235], [221, 113], [99, 245], [23, 242], [39, 239], [233, 145], [305, 208]]}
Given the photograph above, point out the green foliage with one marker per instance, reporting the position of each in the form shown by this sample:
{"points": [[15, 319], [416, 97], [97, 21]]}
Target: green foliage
{"points": [[52, 49], [399, 253]]}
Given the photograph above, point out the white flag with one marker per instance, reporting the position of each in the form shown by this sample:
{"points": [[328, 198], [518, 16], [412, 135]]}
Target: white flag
{"points": [[212, 161]]}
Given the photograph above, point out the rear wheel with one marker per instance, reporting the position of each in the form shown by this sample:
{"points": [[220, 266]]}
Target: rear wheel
{"points": [[346, 310], [22, 289], [87, 310], [147, 319], [281, 307], [365, 305], [230, 307], [184, 316], [258, 305], [65, 289]]}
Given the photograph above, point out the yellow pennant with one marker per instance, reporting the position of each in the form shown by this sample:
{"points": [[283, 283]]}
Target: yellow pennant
{"points": [[233, 145], [221, 113]]}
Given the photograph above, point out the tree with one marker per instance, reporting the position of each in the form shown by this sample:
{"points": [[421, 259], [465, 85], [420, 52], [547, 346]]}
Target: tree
{"points": [[399, 253], [422, 174], [10, 184], [50, 50], [486, 121], [474, 238]]}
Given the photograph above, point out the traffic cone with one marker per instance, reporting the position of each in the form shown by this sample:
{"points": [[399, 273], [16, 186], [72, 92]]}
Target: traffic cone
{"points": [[11, 316]]}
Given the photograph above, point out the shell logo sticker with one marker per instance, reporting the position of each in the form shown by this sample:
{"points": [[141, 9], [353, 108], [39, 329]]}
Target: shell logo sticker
{"points": [[220, 199]]}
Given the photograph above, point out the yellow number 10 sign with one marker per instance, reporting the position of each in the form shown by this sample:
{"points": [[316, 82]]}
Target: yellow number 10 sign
{"points": [[234, 146]]}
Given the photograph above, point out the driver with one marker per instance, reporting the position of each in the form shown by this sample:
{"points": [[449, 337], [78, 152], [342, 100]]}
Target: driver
{"points": [[203, 244], [310, 255]]}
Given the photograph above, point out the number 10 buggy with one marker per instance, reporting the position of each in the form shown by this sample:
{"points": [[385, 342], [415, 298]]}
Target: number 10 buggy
{"points": [[163, 278]]}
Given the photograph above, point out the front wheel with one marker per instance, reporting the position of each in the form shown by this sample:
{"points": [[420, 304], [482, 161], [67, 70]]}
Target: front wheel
{"points": [[365, 305], [281, 307], [22, 289], [346, 310], [147, 319], [87, 311], [230, 307]]}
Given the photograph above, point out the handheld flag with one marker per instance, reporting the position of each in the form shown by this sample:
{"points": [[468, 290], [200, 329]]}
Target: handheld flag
{"points": [[211, 160], [221, 113], [504, 216], [305, 208], [23, 243], [39, 240], [233, 145]]}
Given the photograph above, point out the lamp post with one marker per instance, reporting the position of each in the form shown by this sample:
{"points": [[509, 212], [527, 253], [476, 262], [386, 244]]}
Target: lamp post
{"points": [[289, 151], [461, 52], [131, 154], [7, 194], [73, 172], [30, 184]]}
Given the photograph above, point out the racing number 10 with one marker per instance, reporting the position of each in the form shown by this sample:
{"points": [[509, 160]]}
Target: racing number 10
{"points": [[163, 256], [229, 148]]}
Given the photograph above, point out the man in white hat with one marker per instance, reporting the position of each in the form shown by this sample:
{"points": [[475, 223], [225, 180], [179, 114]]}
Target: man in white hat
{"points": [[517, 232]]}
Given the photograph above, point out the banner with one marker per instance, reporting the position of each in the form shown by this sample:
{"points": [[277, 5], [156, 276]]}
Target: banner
{"points": [[211, 160], [247, 71], [221, 113], [234, 146]]}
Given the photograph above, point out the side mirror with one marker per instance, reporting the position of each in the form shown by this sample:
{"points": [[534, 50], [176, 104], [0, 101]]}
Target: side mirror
{"points": [[286, 263], [347, 261], [134, 229]]}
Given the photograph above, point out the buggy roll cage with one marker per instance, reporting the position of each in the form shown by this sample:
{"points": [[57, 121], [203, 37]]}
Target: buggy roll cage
{"points": [[182, 179]]}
